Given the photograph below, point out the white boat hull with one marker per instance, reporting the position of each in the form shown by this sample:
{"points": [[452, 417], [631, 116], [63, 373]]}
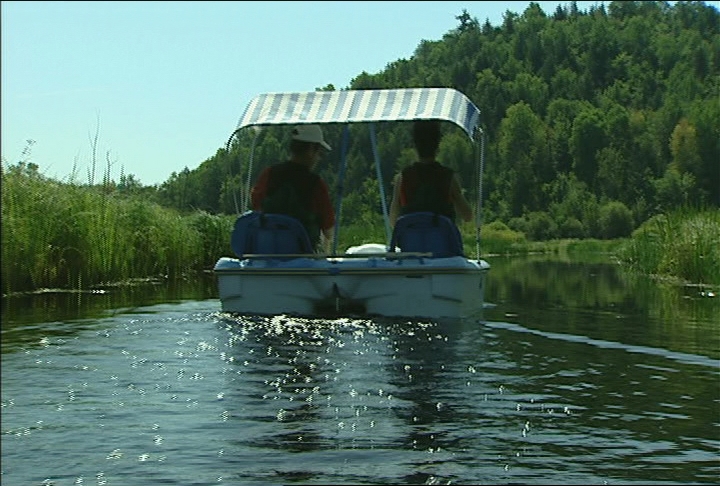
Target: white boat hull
{"points": [[450, 287], [427, 274]]}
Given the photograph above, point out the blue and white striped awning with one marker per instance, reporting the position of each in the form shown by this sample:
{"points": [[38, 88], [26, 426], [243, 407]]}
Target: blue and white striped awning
{"points": [[354, 106]]}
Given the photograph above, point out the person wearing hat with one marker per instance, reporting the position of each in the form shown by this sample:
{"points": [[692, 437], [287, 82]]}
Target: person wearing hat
{"points": [[292, 188], [427, 185]]}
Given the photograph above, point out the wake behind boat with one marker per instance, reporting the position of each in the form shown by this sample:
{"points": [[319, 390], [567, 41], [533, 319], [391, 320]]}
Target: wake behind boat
{"points": [[421, 271]]}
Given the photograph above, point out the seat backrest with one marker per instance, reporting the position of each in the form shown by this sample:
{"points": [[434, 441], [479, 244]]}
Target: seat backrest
{"points": [[256, 232], [428, 233]]}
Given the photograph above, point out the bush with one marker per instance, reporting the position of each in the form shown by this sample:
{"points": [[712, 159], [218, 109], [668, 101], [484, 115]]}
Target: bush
{"points": [[541, 226], [496, 237], [616, 220], [571, 228], [519, 224]]}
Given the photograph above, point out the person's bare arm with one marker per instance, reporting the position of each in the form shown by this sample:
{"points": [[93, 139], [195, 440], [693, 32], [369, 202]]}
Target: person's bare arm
{"points": [[462, 206], [326, 238]]}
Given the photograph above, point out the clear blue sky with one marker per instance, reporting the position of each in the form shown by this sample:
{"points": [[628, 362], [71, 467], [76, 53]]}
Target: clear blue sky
{"points": [[163, 84]]}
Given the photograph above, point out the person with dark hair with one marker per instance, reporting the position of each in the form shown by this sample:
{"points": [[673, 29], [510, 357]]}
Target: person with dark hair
{"points": [[291, 188], [427, 185]]}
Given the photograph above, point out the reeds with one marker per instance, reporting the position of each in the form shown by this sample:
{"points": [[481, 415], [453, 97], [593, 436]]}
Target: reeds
{"points": [[65, 235], [495, 238], [683, 244], [72, 236]]}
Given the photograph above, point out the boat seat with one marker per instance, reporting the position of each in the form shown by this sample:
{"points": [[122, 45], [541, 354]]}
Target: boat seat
{"points": [[256, 232], [427, 232]]}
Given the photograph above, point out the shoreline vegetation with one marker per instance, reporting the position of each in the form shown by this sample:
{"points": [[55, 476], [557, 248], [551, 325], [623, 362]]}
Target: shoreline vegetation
{"points": [[72, 237], [603, 129]]}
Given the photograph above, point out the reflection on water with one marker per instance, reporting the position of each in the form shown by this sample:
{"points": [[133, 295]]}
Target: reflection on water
{"points": [[396, 396], [576, 375], [61, 312], [598, 298]]}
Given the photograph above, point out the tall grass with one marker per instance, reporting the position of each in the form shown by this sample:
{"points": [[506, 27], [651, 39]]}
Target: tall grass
{"points": [[683, 244], [369, 228], [66, 235], [495, 238]]}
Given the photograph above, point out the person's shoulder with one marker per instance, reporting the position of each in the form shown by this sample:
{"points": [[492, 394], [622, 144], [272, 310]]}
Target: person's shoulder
{"points": [[283, 164], [411, 167], [282, 167], [318, 178], [266, 171], [447, 169], [274, 166]]}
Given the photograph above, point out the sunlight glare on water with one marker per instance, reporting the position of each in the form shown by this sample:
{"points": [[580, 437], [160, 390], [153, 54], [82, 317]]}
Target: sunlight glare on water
{"points": [[179, 393]]}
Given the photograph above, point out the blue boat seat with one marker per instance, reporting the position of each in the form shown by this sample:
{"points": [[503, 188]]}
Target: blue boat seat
{"points": [[428, 233], [256, 232]]}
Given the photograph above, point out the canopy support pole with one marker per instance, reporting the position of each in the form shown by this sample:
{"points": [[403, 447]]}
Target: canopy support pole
{"points": [[378, 169], [341, 185], [246, 199], [479, 211]]}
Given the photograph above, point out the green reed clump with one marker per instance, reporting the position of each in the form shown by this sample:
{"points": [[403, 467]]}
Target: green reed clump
{"points": [[41, 239], [368, 229], [159, 241], [495, 238], [214, 231], [683, 244], [67, 235]]}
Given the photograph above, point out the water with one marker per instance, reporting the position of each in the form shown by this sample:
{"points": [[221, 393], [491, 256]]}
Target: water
{"points": [[575, 374]]}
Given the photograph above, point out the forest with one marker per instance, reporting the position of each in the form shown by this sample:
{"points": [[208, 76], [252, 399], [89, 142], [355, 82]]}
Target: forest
{"points": [[595, 121], [601, 126]]}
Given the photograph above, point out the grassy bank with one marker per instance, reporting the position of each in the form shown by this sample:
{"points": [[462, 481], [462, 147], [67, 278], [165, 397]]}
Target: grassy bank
{"points": [[495, 239], [59, 235], [71, 236], [684, 245]]}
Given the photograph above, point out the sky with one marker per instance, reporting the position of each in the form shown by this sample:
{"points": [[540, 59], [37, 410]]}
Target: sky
{"points": [[156, 87]]}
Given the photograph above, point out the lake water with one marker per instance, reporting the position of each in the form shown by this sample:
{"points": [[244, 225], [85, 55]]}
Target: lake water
{"points": [[574, 374]]}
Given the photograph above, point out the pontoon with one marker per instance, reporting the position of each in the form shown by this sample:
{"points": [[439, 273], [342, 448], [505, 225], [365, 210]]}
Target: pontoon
{"points": [[420, 271]]}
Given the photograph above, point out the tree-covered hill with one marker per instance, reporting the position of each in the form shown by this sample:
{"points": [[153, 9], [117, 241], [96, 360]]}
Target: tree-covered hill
{"points": [[595, 120]]}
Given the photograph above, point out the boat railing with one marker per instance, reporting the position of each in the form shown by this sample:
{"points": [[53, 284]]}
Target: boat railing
{"points": [[391, 255]]}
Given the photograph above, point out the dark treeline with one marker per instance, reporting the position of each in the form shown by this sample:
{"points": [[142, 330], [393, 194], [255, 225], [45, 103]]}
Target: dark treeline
{"points": [[599, 124], [610, 115]]}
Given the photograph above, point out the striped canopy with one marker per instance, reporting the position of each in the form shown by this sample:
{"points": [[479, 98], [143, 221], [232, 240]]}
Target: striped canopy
{"points": [[354, 106]]}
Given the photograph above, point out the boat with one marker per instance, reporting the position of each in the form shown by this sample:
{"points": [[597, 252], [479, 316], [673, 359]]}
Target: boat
{"points": [[421, 271]]}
